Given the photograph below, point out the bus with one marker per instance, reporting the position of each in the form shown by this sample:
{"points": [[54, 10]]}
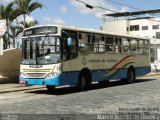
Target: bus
{"points": [[55, 55]]}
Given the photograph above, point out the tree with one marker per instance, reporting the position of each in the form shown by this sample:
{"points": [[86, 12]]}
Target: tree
{"points": [[18, 29], [28, 24], [25, 7], [7, 12], [14, 32], [5, 41]]}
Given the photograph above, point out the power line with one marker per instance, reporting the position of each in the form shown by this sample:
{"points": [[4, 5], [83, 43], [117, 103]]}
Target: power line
{"points": [[123, 4], [91, 7]]}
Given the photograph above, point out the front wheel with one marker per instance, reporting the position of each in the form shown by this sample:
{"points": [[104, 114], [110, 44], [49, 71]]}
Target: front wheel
{"points": [[50, 88]]}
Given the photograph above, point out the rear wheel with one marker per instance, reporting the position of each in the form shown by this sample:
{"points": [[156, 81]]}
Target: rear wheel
{"points": [[50, 88], [131, 76], [84, 81]]}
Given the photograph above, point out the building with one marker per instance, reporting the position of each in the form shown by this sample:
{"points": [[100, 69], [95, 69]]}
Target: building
{"points": [[148, 27]]}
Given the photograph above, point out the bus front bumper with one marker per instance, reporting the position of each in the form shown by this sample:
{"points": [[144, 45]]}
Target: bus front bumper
{"points": [[41, 81]]}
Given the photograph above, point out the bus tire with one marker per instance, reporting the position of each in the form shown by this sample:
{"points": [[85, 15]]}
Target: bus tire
{"points": [[131, 75], [84, 82], [50, 88]]}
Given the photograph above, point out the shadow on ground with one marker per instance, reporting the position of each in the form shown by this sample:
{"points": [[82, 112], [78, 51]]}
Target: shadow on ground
{"points": [[73, 89], [7, 80]]}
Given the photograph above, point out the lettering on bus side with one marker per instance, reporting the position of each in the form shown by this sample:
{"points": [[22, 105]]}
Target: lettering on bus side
{"points": [[103, 60]]}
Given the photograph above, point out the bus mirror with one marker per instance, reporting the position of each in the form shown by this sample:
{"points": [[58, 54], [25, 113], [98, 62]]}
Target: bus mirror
{"points": [[69, 41]]}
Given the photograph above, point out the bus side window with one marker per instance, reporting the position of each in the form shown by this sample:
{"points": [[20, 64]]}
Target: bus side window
{"points": [[116, 43], [112, 44], [142, 47], [120, 45], [98, 43], [134, 46], [70, 52], [126, 45], [84, 42], [109, 44], [147, 47]]}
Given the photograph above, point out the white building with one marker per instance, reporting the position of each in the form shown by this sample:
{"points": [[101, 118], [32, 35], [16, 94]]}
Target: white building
{"points": [[144, 27]]}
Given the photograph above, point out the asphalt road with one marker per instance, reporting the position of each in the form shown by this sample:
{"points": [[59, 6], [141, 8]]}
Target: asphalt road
{"points": [[142, 97]]}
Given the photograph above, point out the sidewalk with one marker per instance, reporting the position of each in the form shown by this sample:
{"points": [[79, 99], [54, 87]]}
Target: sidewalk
{"points": [[153, 73]]}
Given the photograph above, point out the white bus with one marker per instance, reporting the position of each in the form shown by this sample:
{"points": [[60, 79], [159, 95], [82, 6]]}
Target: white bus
{"points": [[61, 55]]}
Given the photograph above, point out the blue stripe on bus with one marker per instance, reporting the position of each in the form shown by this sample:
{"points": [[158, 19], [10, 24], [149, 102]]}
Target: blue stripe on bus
{"points": [[71, 78]]}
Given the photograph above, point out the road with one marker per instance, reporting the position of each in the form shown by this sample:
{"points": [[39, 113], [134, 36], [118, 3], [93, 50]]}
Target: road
{"points": [[142, 96]]}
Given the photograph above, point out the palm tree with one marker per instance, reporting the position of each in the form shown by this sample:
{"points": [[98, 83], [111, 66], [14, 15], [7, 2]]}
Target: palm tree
{"points": [[14, 32], [28, 24], [18, 29], [26, 7], [5, 41], [7, 12]]}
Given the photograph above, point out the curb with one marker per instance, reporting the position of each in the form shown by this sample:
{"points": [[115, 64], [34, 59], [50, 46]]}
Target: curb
{"points": [[153, 74]]}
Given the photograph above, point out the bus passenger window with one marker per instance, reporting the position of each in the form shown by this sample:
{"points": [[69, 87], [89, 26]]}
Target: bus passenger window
{"points": [[70, 52], [147, 47], [141, 47], [112, 44], [126, 45], [98, 43], [134, 46], [109, 44], [84, 43]]}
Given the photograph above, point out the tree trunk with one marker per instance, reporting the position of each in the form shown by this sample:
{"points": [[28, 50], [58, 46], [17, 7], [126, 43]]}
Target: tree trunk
{"points": [[14, 43], [24, 21]]}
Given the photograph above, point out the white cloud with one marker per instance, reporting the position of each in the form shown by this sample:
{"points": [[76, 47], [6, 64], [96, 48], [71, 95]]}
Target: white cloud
{"points": [[97, 11], [59, 21], [63, 9], [49, 20]]}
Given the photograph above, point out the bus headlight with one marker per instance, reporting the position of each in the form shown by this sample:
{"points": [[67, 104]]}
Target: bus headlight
{"points": [[51, 75], [23, 75]]}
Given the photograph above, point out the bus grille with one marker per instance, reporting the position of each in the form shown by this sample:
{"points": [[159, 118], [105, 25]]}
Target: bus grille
{"points": [[36, 75]]}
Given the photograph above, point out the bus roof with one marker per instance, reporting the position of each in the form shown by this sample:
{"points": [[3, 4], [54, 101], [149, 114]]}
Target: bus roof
{"points": [[90, 30]]}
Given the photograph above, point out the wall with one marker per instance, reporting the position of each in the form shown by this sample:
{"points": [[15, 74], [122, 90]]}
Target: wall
{"points": [[10, 65], [116, 26]]}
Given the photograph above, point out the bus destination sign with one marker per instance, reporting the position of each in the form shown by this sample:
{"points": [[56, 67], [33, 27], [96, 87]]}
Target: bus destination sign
{"points": [[40, 31]]}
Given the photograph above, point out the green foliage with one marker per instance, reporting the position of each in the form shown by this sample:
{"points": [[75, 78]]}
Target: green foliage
{"points": [[11, 11]]}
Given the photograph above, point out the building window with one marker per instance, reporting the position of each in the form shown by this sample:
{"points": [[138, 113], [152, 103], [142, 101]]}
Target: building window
{"points": [[144, 27], [134, 27], [155, 27]]}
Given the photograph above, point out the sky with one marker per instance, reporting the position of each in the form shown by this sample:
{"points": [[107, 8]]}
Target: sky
{"points": [[73, 13]]}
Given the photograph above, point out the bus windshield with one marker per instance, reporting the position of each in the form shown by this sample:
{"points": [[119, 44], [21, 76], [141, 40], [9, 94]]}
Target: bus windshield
{"points": [[41, 50]]}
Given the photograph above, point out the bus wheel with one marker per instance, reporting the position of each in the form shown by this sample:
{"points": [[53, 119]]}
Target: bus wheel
{"points": [[84, 82], [131, 75], [50, 88]]}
